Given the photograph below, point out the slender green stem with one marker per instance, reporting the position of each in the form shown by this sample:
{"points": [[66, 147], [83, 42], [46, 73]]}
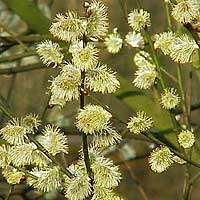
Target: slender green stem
{"points": [[169, 75], [155, 58], [11, 188], [187, 185], [44, 112], [6, 111], [180, 81], [159, 70], [138, 3], [167, 12], [194, 178], [123, 5]]}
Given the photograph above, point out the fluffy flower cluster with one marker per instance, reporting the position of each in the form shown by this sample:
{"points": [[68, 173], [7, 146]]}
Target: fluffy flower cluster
{"points": [[20, 151], [139, 123], [85, 58], [102, 79], [113, 42], [12, 175], [97, 22], [45, 180], [146, 72], [139, 19], [50, 53], [106, 177], [79, 31], [186, 11], [179, 48], [68, 27], [78, 187], [15, 130], [65, 87], [95, 120], [161, 159], [53, 140], [135, 39], [186, 138], [169, 99]]}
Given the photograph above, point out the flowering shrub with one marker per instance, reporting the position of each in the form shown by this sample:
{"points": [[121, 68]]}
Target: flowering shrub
{"points": [[30, 148]]}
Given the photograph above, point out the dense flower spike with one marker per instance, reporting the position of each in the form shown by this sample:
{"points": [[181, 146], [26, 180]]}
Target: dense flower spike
{"points": [[106, 174], [108, 136], [104, 193], [85, 58], [142, 59], [47, 180], [145, 77], [182, 49], [5, 159], [179, 48], [53, 140], [113, 42], [50, 53], [139, 19], [22, 155], [161, 159], [78, 187], [186, 138], [164, 41], [146, 72], [92, 119], [169, 99], [30, 122], [139, 123], [68, 27], [186, 11], [97, 25], [13, 133], [102, 79], [134, 39], [65, 87], [12, 175]]}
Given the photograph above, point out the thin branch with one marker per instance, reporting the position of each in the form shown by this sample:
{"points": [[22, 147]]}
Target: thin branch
{"points": [[23, 68], [195, 178], [13, 36], [169, 75], [17, 56], [11, 188], [157, 141], [180, 81], [123, 6], [134, 178]]}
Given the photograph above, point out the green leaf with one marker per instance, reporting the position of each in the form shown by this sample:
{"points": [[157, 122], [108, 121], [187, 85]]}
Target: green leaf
{"points": [[30, 13], [140, 100]]}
